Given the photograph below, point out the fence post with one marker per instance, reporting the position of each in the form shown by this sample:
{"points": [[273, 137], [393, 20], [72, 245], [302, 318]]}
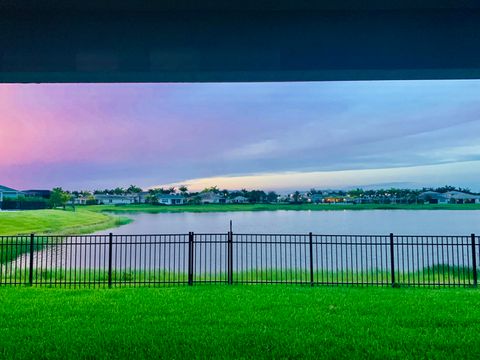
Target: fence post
{"points": [[392, 261], [110, 248], [230, 257], [30, 274], [310, 237], [190, 258], [474, 261]]}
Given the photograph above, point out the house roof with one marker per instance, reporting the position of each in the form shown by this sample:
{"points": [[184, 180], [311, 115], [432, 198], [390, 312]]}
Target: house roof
{"points": [[170, 196], [7, 189], [209, 195], [105, 196], [37, 191], [460, 195], [432, 194]]}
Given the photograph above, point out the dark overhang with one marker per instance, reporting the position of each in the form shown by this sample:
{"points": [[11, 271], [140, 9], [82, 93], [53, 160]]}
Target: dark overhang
{"points": [[283, 40]]}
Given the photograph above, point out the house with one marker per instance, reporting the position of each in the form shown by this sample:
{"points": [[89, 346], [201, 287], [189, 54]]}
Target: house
{"points": [[334, 199], [114, 199], [171, 199], [212, 198], [141, 197], [8, 193], [80, 200], [433, 197], [238, 200], [316, 198], [45, 194], [458, 197]]}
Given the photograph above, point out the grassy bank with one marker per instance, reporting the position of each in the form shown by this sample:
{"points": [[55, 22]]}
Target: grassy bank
{"points": [[239, 322], [44, 222], [57, 222], [439, 275], [273, 207]]}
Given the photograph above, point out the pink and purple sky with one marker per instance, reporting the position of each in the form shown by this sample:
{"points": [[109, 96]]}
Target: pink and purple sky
{"points": [[277, 136]]}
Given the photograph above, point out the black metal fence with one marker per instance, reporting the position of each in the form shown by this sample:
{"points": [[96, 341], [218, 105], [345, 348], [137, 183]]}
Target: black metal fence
{"points": [[230, 258]]}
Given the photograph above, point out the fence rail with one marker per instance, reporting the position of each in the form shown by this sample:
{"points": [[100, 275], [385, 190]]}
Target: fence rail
{"points": [[231, 258]]}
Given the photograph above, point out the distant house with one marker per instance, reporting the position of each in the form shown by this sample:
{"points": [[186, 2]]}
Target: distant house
{"points": [[114, 199], [141, 197], [45, 194], [238, 200], [433, 197], [458, 197], [316, 198], [171, 199], [211, 198], [80, 200], [334, 199], [8, 193]]}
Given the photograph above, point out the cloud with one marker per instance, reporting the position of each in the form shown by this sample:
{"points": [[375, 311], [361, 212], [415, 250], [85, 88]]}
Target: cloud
{"points": [[460, 174], [160, 133]]}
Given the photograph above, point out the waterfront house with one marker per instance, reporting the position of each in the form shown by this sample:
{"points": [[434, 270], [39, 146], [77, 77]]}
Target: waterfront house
{"points": [[211, 198], [45, 194], [433, 197], [141, 197], [238, 200], [334, 199], [316, 198], [8, 193], [82, 200], [114, 199], [171, 199], [458, 197]]}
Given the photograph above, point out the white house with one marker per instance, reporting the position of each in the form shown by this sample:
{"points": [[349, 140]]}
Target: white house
{"points": [[212, 198], [238, 200], [114, 199], [8, 193], [171, 199], [81, 200], [141, 197]]}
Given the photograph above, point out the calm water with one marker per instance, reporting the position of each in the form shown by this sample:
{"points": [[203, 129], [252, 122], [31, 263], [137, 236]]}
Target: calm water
{"points": [[264, 252], [364, 222]]}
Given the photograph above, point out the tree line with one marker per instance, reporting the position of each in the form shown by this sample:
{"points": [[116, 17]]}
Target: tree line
{"points": [[60, 197]]}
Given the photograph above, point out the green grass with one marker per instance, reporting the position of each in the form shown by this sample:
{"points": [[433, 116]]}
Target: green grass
{"points": [[58, 222], [250, 322], [272, 207], [437, 276]]}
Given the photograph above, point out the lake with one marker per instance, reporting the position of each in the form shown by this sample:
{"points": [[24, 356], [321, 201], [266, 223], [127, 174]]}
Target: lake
{"points": [[262, 252], [348, 222]]}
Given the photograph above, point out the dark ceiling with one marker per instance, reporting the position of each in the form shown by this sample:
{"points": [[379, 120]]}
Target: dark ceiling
{"points": [[283, 40]]}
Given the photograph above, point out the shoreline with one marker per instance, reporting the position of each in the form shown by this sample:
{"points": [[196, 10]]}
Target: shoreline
{"points": [[89, 219]]}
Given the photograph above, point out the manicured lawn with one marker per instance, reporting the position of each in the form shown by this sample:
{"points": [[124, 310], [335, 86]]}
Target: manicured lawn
{"points": [[273, 207], [55, 221], [239, 322]]}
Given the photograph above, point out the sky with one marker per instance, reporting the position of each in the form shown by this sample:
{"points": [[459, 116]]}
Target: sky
{"points": [[273, 136]]}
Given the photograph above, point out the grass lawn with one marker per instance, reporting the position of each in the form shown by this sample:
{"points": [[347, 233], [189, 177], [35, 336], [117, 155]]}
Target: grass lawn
{"points": [[272, 207], [59, 222], [239, 322]]}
